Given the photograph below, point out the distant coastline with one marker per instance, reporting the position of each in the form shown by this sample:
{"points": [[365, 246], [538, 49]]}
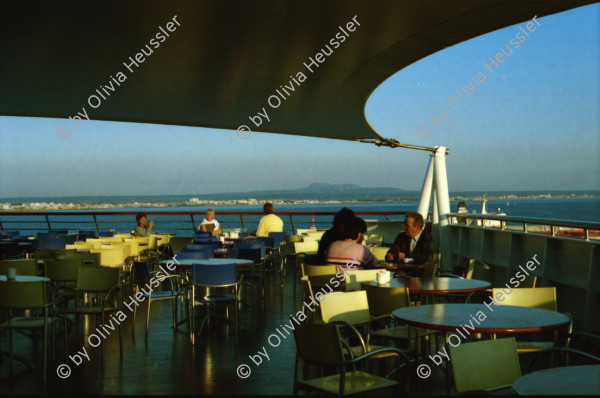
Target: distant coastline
{"points": [[147, 202]]}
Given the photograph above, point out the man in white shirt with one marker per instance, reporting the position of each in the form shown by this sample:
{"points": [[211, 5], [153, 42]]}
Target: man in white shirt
{"points": [[209, 224]]}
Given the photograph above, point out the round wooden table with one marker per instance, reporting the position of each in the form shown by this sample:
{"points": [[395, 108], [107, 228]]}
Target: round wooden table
{"points": [[437, 285], [570, 380], [498, 318]]}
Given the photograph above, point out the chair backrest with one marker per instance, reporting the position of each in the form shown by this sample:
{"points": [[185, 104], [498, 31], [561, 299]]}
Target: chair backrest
{"points": [[51, 234], [195, 255], [352, 307], [201, 234], [278, 238], [318, 342], [142, 272], [197, 247], [214, 274], [311, 270], [384, 300], [88, 259], [432, 266], [290, 239], [266, 241], [306, 247], [52, 242], [162, 239], [25, 267], [311, 238], [107, 233], [9, 249], [178, 243], [62, 270], [251, 254], [84, 234], [97, 279], [379, 252], [540, 297], [22, 294], [485, 364], [110, 256], [133, 245], [315, 234], [354, 278]]}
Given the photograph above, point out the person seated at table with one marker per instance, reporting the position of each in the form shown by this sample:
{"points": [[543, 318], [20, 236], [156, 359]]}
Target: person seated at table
{"points": [[141, 229], [413, 243], [269, 223], [350, 250], [335, 233], [209, 224]]}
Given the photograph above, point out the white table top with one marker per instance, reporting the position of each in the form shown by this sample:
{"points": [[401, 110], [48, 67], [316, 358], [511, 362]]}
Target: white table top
{"points": [[26, 278]]}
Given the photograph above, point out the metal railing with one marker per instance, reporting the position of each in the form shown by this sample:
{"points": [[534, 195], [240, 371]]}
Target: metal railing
{"points": [[166, 221], [574, 229]]}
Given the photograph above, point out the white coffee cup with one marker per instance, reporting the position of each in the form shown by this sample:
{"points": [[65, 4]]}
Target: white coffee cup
{"points": [[381, 278], [11, 274]]}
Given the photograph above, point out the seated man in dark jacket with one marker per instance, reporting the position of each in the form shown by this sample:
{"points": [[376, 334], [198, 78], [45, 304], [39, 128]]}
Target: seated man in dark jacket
{"points": [[413, 243]]}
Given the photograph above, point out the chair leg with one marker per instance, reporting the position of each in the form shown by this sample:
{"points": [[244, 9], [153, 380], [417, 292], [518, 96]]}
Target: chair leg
{"points": [[174, 307], [133, 323], [147, 321], [45, 345]]}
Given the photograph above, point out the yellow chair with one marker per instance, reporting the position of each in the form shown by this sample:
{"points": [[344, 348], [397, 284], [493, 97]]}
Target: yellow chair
{"points": [[88, 259], [24, 267], [311, 238], [384, 300], [162, 239], [350, 309], [541, 297], [133, 247], [431, 266], [315, 234], [379, 252], [27, 296], [306, 247], [311, 270], [354, 278], [484, 365], [62, 271], [322, 345], [111, 257]]}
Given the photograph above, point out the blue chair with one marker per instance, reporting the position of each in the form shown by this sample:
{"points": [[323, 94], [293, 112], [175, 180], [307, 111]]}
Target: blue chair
{"points": [[51, 234], [279, 238], [196, 247], [57, 242], [60, 231], [83, 235], [195, 255], [257, 270], [142, 279], [222, 284], [107, 234], [11, 234], [9, 250], [69, 240], [201, 234]]}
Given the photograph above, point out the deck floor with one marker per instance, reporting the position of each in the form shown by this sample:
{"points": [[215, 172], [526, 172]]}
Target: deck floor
{"points": [[170, 365]]}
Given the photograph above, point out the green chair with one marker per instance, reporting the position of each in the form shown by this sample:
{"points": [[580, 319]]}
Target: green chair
{"points": [[97, 293], [24, 267], [485, 365], [384, 300], [541, 297], [321, 345], [27, 296]]}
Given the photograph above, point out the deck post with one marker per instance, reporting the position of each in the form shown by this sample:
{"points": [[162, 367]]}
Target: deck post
{"points": [[443, 204]]}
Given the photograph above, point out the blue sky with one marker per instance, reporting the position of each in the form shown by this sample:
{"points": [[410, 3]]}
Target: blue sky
{"points": [[533, 124]]}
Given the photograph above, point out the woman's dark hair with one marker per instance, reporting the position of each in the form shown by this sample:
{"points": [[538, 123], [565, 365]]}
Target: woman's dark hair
{"points": [[341, 216], [139, 217], [354, 226]]}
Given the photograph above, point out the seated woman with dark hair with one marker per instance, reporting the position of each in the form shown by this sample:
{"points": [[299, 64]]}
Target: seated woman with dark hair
{"points": [[351, 250], [141, 229]]}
